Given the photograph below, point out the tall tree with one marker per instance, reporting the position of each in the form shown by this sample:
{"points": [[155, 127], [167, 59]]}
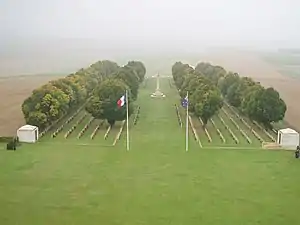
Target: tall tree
{"points": [[264, 105], [103, 104], [207, 103], [47, 100], [37, 118], [129, 76], [139, 68], [225, 82], [180, 71], [214, 73]]}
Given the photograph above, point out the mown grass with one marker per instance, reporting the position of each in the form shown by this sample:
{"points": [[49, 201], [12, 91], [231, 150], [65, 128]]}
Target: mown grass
{"points": [[156, 182]]}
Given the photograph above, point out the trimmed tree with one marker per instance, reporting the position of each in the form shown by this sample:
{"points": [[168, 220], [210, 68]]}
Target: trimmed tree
{"points": [[103, 104], [139, 68], [264, 106], [207, 103], [129, 76]]}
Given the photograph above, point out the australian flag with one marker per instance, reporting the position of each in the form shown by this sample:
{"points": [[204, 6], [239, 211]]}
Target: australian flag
{"points": [[185, 102]]}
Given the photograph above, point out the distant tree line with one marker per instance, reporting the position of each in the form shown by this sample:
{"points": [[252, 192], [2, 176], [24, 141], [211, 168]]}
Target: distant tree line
{"points": [[209, 86], [102, 83]]}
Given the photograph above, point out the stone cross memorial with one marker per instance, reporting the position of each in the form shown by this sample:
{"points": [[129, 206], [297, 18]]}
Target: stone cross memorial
{"points": [[157, 92]]}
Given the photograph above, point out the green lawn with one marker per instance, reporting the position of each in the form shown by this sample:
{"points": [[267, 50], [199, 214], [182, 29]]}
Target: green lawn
{"points": [[155, 183]]}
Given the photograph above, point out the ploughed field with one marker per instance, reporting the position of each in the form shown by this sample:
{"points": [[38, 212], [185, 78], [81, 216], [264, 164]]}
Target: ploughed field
{"points": [[13, 91]]}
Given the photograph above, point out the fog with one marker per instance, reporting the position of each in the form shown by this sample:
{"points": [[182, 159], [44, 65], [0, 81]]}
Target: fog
{"points": [[59, 36]]}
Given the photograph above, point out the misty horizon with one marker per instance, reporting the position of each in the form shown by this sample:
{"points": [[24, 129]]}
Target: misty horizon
{"points": [[60, 36]]}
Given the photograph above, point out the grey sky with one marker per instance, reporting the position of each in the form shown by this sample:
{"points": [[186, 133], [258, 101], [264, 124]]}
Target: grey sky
{"points": [[39, 36], [212, 22]]}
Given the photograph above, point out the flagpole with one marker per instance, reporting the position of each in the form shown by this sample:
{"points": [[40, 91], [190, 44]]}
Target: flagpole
{"points": [[127, 103], [187, 124]]}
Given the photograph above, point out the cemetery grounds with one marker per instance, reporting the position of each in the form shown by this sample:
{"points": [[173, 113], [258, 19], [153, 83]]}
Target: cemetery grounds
{"points": [[88, 177]]}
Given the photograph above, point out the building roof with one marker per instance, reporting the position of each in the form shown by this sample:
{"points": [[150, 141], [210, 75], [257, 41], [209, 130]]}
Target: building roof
{"points": [[28, 127], [288, 131]]}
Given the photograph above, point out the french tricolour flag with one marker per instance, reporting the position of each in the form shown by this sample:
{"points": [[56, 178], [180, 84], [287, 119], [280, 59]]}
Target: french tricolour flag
{"points": [[121, 101]]}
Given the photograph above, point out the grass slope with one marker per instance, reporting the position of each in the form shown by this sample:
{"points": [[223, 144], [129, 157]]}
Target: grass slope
{"points": [[156, 182]]}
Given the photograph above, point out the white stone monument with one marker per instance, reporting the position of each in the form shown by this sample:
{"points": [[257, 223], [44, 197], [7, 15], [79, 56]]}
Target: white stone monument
{"points": [[288, 138], [157, 92]]}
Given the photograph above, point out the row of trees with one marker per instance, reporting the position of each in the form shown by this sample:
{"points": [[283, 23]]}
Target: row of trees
{"points": [[209, 85], [263, 105], [205, 99], [57, 98], [103, 104]]}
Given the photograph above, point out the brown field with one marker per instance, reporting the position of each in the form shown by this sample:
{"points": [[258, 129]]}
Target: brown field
{"points": [[251, 65], [13, 91]]}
